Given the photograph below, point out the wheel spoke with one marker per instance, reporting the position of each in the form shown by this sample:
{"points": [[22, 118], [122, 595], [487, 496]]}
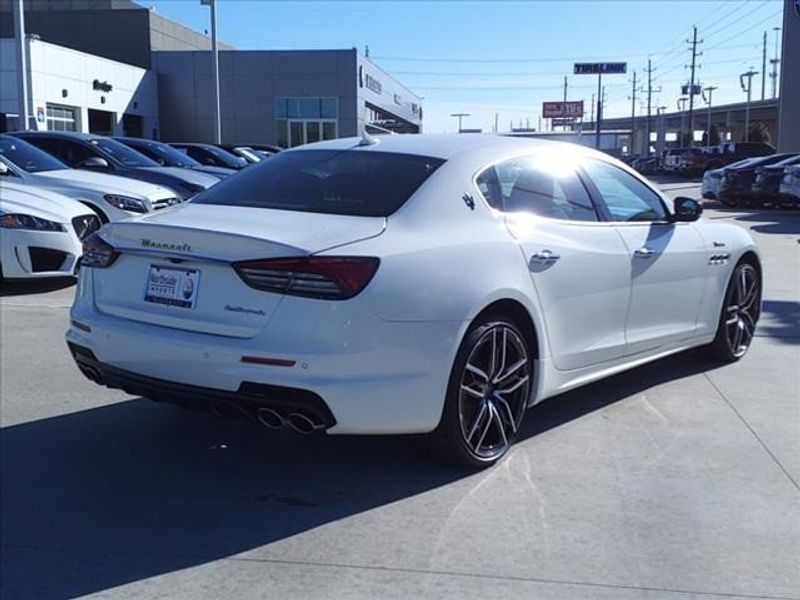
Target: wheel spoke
{"points": [[514, 387], [751, 296], [511, 370], [486, 428], [471, 391], [499, 421], [741, 287], [476, 371], [511, 420], [737, 338], [493, 359], [477, 422]]}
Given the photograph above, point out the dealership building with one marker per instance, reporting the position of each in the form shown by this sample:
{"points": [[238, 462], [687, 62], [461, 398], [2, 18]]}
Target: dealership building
{"points": [[112, 67]]}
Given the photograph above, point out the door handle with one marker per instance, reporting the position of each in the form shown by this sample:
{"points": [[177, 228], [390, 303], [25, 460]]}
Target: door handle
{"points": [[644, 252], [544, 257]]}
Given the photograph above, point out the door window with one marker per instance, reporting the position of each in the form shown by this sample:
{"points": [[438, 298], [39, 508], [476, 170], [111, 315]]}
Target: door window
{"points": [[68, 151], [538, 185], [625, 197]]}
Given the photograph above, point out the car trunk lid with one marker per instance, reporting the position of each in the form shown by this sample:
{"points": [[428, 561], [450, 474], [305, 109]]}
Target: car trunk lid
{"points": [[174, 267]]}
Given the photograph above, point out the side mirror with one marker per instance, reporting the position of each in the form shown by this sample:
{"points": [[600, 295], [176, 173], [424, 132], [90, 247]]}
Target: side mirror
{"points": [[3, 169], [686, 210], [93, 162]]}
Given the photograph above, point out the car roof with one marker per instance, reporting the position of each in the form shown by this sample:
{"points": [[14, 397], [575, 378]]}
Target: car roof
{"points": [[71, 135], [442, 146]]}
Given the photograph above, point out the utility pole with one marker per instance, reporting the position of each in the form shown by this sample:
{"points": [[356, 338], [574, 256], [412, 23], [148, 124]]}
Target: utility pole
{"points": [[695, 54], [22, 64], [774, 62], [592, 117], [764, 66], [565, 88], [710, 91], [649, 101], [747, 89], [633, 113], [599, 111], [496, 117], [460, 116], [212, 4]]}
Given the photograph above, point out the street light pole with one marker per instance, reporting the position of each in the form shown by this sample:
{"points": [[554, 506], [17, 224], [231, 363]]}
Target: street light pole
{"points": [[212, 4], [22, 64], [710, 91], [749, 75], [774, 62], [460, 116]]}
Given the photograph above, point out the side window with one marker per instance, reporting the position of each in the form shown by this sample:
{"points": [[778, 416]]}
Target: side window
{"points": [[69, 152], [625, 197], [540, 185]]}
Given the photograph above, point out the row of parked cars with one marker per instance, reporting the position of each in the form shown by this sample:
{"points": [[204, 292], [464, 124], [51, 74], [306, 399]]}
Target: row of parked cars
{"points": [[772, 180], [691, 162], [57, 188]]}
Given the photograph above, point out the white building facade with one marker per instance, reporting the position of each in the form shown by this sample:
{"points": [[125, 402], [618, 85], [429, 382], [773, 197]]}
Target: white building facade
{"points": [[70, 90]]}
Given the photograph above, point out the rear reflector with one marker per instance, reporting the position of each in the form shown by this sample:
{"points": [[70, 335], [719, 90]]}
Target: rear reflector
{"points": [[263, 360], [324, 277]]}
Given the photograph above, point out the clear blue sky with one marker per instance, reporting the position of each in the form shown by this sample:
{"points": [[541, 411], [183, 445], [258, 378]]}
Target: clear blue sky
{"points": [[507, 57]]}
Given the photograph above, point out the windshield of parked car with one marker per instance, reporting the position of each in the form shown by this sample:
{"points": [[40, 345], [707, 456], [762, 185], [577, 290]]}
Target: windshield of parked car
{"points": [[28, 157], [161, 152], [127, 156], [230, 160], [338, 182]]}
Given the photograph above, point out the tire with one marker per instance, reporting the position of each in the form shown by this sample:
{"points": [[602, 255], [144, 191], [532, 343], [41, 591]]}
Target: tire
{"points": [[487, 394], [738, 319]]}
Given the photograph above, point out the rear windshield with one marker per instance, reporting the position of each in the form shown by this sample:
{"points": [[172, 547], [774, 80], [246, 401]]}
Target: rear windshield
{"points": [[337, 182]]}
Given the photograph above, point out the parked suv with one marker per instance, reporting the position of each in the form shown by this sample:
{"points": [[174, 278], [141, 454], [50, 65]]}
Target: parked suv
{"points": [[105, 155]]}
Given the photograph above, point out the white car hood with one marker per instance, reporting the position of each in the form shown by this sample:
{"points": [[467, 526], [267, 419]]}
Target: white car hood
{"points": [[24, 199], [188, 175], [78, 180]]}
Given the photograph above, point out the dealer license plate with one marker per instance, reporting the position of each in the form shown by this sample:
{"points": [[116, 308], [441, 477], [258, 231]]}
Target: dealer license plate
{"points": [[173, 287]]}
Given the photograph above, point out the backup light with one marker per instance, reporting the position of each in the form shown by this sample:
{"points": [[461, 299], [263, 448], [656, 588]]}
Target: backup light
{"points": [[323, 277]]}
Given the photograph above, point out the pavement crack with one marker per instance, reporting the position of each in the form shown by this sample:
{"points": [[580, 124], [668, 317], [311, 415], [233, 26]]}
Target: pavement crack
{"points": [[752, 431]]}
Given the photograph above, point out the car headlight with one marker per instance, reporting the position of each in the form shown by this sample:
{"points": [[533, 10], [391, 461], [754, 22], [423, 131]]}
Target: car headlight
{"points": [[21, 221], [126, 203]]}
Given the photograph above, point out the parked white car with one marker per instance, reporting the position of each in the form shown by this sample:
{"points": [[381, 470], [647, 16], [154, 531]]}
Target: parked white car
{"points": [[112, 197], [41, 232], [790, 184], [410, 284]]}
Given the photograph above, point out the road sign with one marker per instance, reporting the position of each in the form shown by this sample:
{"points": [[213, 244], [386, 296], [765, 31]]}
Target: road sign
{"points": [[562, 122], [600, 68], [696, 90], [562, 109]]}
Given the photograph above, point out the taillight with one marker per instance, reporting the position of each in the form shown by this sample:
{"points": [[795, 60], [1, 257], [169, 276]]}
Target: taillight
{"points": [[324, 277], [97, 253]]}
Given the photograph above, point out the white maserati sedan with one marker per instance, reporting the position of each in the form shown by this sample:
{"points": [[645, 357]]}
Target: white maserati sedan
{"points": [[41, 232], [409, 284]]}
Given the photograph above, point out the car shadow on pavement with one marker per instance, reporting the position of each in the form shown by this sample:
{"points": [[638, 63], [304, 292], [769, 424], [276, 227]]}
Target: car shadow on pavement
{"points": [[23, 287], [117, 494], [774, 221], [784, 322]]}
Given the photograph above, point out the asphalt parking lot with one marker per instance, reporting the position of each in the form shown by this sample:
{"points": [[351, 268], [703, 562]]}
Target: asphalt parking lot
{"points": [[680, 479]]}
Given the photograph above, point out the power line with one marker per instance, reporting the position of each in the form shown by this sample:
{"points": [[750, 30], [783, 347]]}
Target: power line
{"points": [[741, 17], [754, 26]]}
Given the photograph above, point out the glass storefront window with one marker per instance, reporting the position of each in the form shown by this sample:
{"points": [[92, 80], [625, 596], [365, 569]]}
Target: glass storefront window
{"points": [[301, 121], [329, 108], [281, 133]]}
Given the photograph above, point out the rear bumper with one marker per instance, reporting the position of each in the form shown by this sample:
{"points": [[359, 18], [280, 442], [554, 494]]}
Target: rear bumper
{"points": [[243, 402], [374, 377]]}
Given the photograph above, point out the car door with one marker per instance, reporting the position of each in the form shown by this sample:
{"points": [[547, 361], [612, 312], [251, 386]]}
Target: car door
{"points": [[668, 262], [578, 265]]}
